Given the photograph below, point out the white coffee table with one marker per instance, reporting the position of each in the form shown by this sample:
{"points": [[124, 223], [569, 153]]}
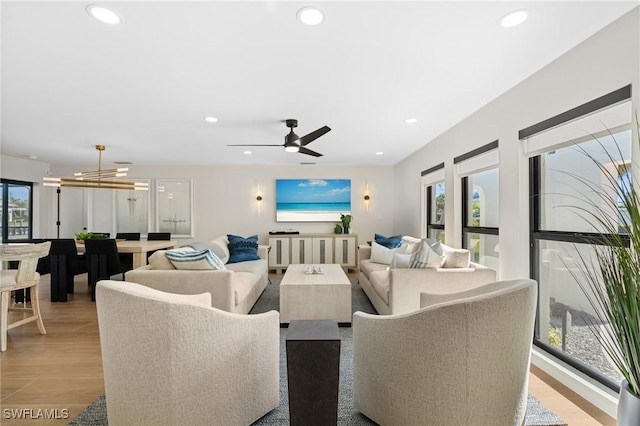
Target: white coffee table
{"points": [[315, 296]]}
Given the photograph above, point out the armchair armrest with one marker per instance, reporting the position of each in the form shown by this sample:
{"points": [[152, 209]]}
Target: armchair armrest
{"points": [[218, 283], [431, 299]]}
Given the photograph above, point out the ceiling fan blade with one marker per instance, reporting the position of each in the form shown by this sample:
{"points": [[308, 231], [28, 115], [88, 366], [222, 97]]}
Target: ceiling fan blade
{"points": [[307, 151], [307, 139], [255, 145]]}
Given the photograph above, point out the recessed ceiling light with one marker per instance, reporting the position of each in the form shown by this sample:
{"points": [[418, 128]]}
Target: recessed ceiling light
{"points": [[513, 19], [310, 16], [211, 119], [103, 14], [410, 120], [379, 153], [247, 152]]}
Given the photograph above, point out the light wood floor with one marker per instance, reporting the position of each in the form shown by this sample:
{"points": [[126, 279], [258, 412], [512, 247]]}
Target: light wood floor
{"points": [[62, 370]]}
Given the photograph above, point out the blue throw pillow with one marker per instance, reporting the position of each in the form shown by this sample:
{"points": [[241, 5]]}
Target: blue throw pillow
{"points": [[390, 242], [242, 249]]}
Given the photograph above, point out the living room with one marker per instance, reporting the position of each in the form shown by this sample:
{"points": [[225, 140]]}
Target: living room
{"points": [[224, 195]]}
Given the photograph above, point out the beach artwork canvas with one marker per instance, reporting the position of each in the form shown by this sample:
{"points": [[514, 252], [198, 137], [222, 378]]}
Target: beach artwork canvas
{"points": [[312, 200]]}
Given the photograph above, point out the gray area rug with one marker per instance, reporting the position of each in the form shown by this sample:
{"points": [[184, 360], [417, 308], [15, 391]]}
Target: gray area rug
{"points": [[537, 413]]}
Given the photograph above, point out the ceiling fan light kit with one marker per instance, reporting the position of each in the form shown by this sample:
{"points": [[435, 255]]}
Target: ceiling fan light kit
{"points": [[294, 143]]}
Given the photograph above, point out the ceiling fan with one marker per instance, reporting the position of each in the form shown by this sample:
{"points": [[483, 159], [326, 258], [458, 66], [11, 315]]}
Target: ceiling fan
{"points": [[295, 143]]}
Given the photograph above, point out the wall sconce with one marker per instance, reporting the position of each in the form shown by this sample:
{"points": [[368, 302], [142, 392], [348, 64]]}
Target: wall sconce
{"points": [[259, 200], [366, 198]]}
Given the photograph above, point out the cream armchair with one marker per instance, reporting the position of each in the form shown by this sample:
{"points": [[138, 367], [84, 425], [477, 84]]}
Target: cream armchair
{"points": [[172, 359], [461, 359]]}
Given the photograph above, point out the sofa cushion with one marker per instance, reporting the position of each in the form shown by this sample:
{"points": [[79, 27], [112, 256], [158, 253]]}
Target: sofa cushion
{"points": [[242, 249], [380, 283], [195, 260], [219, 247], [258, 267], [430, 255], [388, 242], [381, 254], [159, 261], [402, 260], [367, 267], [456, 258]]}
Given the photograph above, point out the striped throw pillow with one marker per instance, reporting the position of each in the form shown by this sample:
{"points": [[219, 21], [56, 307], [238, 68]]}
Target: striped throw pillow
{"points": [[194, 260], [430, 255]]}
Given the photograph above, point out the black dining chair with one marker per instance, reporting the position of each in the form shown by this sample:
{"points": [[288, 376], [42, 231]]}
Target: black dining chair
{"points": [[129, 236], [64, 265], [159, 236], [126, 259], [102, 260]]}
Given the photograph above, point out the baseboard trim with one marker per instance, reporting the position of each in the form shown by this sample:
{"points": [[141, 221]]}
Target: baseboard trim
{"points": [[600, 396]]}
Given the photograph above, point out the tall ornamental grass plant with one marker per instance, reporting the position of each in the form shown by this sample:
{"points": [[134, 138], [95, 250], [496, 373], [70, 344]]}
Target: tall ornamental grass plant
{"points": [[610, 276]]}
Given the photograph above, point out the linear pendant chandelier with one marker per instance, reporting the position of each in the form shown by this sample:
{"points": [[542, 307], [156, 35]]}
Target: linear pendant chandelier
{"points": [[101, 178]]}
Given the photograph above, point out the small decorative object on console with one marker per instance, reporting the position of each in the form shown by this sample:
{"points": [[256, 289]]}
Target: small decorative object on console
{"points": [[314, 270]]}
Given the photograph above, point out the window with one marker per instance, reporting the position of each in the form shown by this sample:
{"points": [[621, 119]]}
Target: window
{"points": [[435, 211], [433, 201], [17, 205], [480, 217], [480, 204], [564, 180]]}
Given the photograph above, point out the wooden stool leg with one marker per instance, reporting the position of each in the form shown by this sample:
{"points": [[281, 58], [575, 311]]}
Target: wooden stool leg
{"points": [[4, 317], [35, 307]]}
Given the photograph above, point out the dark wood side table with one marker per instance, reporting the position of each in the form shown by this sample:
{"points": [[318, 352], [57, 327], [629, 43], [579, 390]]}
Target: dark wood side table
{"points": [[313, 370]]}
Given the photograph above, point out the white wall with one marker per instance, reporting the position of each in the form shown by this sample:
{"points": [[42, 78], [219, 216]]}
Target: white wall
{"points": [[605, 62], [225, 199]]}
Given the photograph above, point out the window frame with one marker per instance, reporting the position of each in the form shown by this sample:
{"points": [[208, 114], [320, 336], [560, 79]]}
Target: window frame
{"points": [[5, 210], [431, 225], [438, 177], [469, 229], [537, 235]]}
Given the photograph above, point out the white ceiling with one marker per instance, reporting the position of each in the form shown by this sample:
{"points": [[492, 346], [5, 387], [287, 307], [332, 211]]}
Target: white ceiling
{"points": [[142, 88]]}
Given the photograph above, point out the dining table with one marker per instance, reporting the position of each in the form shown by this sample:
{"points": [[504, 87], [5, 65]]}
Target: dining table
{"points": [[139, 249]]}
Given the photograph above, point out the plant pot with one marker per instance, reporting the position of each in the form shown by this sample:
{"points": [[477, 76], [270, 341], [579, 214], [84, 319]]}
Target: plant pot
{"points": [[345, 228], [628, 406]]}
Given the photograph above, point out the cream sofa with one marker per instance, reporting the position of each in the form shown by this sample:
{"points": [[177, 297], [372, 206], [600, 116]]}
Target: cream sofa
{"points": [[397, 290], [234, 289]]}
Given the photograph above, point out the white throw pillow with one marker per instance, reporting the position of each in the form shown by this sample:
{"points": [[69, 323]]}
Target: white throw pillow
{"points": [[381, 254], [190, 260], [412, 244], [429, 256], [456, 258], [401, 260]]}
